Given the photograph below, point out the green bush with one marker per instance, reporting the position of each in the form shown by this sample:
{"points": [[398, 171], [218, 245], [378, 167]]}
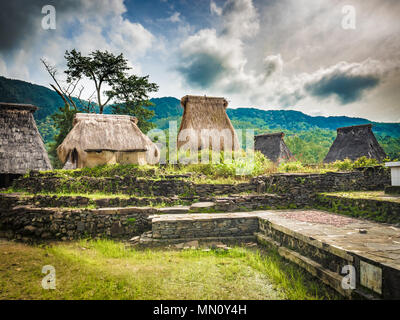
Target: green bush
{"points": [[293, 166]]}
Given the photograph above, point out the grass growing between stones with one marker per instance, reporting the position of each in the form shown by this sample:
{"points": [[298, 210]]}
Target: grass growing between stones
{"points": [[92, 196], [104, 269], [369, 195]]}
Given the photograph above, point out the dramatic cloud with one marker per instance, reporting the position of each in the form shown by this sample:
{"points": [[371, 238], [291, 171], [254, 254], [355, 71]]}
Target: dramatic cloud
{"points": [[216, 59], [270, 54], [347, 88], [273, 64], [86, 25], [347, 82]]}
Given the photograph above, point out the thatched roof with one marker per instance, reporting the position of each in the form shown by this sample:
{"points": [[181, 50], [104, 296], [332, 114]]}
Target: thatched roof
{"points": [[272, 146], [105, 132], [21, 146], [204, 116], [355, 142]]}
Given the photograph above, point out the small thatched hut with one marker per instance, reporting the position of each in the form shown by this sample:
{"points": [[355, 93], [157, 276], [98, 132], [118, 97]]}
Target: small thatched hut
{"points": [[21, 146], [355, 142], [272, 146], [205, 125], [98, 139]]}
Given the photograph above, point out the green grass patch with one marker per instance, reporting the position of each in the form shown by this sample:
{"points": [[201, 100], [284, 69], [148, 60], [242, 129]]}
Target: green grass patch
{"points": [[368, 195], [104, 269]]}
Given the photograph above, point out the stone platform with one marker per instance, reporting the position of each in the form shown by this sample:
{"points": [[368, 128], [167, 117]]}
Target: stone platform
{"points": [[323, 243], [320, 242]]}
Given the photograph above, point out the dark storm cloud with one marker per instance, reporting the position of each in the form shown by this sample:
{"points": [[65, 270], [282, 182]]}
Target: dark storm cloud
{"points": [[202, 70], [347, 88], [20, 20]]}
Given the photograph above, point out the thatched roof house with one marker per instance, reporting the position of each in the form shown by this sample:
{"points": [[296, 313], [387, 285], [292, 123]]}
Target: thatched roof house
{"points": [[355, 142], [272, 146], [205, 125], [98, 139], [21, 146]]}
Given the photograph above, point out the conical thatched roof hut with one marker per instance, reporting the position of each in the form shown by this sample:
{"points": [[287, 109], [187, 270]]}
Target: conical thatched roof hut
{"points": [[98, 139], [205, 125], [21, 146], [355, 142], [272, 146]]}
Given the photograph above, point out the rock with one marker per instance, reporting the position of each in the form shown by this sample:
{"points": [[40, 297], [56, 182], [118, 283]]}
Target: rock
{"points": [[135, 239], [214, 244], [362, 231], [174, 210], [180, 245], [192, 244], [202, 205], [30, 229]]}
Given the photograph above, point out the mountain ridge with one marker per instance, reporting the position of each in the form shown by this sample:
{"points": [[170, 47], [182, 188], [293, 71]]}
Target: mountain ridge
{"points": [[168, 108]]}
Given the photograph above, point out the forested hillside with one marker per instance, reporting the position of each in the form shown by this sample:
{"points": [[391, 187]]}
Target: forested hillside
{"points": [[309, 138]]}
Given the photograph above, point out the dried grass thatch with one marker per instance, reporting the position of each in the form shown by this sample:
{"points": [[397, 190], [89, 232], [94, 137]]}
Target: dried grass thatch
{"points": [[355, 142], [101, 138], [21, 146], [272, 146], [205, 125]]}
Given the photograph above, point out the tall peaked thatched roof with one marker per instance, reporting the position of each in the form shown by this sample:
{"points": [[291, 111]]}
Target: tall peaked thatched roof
{"points": [[355, 142], [105, 132], [272, 146], [204, 118], [21, 146]]}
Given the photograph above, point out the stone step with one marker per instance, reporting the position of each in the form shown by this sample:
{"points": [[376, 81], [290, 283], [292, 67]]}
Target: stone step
{"points": [[184, 226]]}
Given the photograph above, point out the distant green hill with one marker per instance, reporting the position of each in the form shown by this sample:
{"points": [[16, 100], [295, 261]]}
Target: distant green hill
{"points": [[308, 137], [19, 91], [169, 107]]}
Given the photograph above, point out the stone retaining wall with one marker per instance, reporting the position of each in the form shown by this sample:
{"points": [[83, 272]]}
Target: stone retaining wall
{"points": [[306, 183], [44, 201], [200, 226], [299, 185], [375, 210], [25, 223]]}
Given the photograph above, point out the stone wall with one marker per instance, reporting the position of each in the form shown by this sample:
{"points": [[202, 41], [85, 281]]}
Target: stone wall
{"points": [[375, 210], [200, 226], [374, 178], [43, 201], [26, 223], [289, 183]]}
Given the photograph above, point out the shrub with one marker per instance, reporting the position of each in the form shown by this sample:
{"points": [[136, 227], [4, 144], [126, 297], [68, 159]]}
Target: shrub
{"points": [[345, 165], [293, 166]]}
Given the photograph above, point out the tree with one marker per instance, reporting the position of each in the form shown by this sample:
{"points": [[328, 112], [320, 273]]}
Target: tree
{"points": [[127, 94], [131, 97]]}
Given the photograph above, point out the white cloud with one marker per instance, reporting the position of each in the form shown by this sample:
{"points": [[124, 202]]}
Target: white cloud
{"points": [[97, 25], [214, 9], [175, 17]]}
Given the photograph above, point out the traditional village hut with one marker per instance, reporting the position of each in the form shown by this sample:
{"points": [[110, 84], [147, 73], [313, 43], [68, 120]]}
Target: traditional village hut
{"points": [[272, 146], [205, 125], [21, 146], [355, 142], [98, 139]]}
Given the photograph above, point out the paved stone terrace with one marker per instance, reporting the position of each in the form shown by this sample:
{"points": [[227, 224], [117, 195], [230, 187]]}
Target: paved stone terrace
{"points": [[375, 241], [321, 242]]}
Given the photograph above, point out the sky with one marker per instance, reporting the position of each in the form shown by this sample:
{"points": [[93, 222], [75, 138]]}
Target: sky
{"points": [[321, 57]]}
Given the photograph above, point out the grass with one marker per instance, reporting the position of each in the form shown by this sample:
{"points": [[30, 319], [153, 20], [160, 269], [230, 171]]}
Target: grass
{"points": [[104, 269], [369, 195], [92, 196]]}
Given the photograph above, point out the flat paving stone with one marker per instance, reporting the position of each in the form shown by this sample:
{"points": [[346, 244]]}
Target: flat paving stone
{"points": [[381, 242]]}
